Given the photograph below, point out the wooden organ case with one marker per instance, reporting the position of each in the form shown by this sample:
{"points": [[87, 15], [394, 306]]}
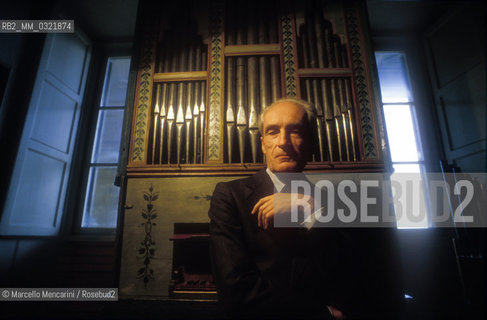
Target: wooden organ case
{"points": [[205, 70]]}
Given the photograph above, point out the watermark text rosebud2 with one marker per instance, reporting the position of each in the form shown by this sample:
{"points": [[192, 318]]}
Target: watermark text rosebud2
{"points": [[366, 200]]}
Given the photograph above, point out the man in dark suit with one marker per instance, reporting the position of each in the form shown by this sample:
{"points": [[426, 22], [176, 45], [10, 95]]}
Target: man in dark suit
{"points": [[262, 271]]}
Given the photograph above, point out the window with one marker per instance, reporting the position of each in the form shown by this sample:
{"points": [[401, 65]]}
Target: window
{"points": [[36, 196], [101, 200], [398, 106]]}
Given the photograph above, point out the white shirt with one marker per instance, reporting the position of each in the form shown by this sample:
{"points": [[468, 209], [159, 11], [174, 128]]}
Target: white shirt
{"points": [[278, 184]]}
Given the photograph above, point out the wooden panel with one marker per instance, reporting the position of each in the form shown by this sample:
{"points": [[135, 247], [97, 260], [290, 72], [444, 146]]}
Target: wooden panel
{"points": [[35, 202], [143, 95], [315, 72], [472, 162], [217, 70], [84, 264], [54, 107], [289, 54], [7, 254], [254, 49], [457, 70], [161, 201], [180, 76], [462, 36], [363, 90], [463, 104], [67, 65]]}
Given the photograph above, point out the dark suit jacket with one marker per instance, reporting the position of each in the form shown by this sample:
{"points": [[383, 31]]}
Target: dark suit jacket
{"points": [[279, 272]]}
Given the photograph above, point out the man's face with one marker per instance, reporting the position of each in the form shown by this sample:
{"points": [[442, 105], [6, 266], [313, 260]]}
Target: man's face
{"points": [[284, 140]]}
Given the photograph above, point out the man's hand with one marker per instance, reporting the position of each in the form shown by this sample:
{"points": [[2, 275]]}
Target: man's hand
{"points": [[278, 203], [336, 314]]}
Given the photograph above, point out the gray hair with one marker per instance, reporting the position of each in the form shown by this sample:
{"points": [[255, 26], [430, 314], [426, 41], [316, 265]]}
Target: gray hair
{"points": [[307, 107]]}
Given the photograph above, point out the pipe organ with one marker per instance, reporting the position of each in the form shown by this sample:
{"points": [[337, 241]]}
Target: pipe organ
{"points": [[208, 83], [178, 107], [326, 81], [250, 87], [203, 71]]}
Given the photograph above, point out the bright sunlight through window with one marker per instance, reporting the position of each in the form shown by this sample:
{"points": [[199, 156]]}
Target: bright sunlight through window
{"points": [[398, 106]]}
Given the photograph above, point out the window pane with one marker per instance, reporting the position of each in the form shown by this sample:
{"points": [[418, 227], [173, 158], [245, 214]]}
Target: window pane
{"points": [[407, 168], [393, 78], [101, 204], [108, 135], [116, 79], [409, 205], [400, 132]]}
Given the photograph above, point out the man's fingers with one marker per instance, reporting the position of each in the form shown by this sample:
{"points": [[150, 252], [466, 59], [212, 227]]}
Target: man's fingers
{"points": [[256, 207], [264, 208], [261, 216], [270, 215], [336, 314], [266, 215], [260, 203], [261, 219]]}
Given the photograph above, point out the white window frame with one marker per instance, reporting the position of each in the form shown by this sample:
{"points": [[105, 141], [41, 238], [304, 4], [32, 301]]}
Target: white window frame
{"points": [[417, 136], [77, 229]]}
